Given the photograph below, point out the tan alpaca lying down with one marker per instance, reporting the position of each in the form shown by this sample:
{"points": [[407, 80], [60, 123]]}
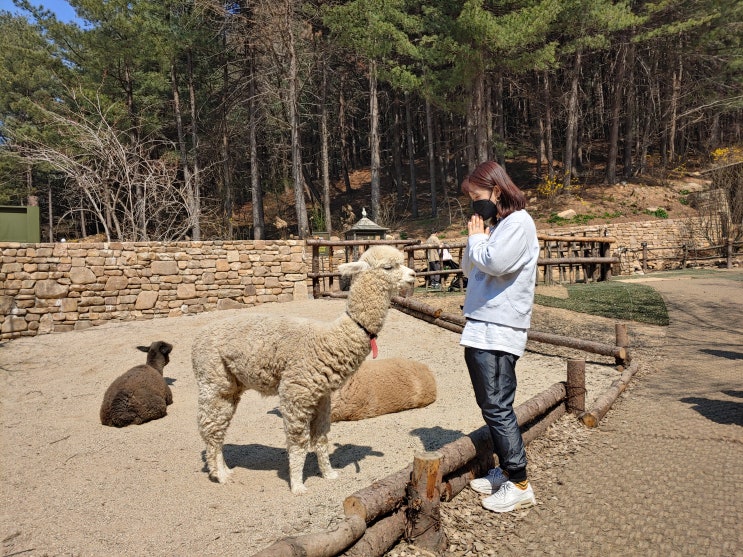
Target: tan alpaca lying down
{"points": [[383, 387]]}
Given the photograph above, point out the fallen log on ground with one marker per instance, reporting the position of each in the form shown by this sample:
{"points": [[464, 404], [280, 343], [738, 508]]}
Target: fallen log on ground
{"points": [[604, 402], [380, 536], [320, 544], [380, 498]]}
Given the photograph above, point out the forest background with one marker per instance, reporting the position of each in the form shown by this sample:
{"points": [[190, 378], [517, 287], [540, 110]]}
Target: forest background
{"points": [[176, 119]]}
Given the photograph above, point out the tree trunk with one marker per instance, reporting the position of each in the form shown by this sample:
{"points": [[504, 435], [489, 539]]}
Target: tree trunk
{"points": [[572, 123], [293, 101], [500, 124], [548, 127], [342, 125], [83, 225], [226, 167], [51, 215], [324, 157], [477, 106], [431, 157], [396, 148], [611, 163], [374, 139], [196, 207], [673, 123], [469, 136], [629, 118], [182, 147], [259, 224], [411, 158]]}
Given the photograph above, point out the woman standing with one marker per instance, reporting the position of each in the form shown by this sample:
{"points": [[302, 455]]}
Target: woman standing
{"points": [[500, 261]]}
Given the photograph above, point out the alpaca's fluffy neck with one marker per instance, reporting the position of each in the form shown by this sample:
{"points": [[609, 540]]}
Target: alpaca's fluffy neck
{"points": [[369, 301]]}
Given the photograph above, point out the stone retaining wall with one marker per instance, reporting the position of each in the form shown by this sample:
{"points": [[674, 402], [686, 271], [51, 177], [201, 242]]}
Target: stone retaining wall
{"points": [[59, 287]]}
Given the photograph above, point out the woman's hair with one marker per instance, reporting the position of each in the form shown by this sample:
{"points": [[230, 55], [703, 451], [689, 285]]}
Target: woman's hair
{"points": [[490, 174]]}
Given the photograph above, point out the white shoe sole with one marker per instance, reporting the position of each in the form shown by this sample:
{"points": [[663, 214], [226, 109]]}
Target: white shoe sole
{"points": [[520, 505], [484, 490]]}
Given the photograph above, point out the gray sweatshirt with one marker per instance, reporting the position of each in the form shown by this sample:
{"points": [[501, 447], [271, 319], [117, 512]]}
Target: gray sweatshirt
{"points": [[502, 271]]}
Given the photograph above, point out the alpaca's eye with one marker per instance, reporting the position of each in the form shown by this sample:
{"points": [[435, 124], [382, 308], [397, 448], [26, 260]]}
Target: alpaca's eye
{"points": [[388, 267]]}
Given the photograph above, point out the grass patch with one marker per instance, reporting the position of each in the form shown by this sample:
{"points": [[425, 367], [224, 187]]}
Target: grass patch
{"points": [[615, 300]]}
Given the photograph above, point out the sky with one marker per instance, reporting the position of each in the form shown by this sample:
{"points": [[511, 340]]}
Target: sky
{"points": [[61, 8]]}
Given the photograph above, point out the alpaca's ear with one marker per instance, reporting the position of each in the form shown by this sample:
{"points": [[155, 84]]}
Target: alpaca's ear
{"points": [[143, 348], [353, 268]]}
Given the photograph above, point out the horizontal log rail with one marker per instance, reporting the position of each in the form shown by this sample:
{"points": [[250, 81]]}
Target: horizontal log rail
{"points": [[445, 320], [577, 260], [319, 544], [577, 239], [343, 243], [604, 402]]}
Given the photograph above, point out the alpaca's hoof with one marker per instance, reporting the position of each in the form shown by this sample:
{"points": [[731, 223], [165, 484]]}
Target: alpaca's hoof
{"points": [[221, 476], [299, 489], [331, 475]]}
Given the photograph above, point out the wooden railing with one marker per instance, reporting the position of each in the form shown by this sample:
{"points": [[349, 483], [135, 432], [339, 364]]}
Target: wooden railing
{"points": [[682, 256], [563, 259]]}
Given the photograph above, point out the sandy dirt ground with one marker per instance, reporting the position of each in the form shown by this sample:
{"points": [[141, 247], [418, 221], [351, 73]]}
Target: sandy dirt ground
{"points": [[71, 486]]}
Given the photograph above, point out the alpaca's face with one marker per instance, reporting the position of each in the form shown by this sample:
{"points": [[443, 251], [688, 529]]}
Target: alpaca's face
{"points": [[390, 261]]}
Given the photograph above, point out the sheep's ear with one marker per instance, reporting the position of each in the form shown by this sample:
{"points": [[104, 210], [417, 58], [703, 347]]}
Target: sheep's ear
{"points": [[143, 348], [165, 348], [353, 268]]}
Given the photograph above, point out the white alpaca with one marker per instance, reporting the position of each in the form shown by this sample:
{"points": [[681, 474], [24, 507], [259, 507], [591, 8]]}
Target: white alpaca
{"points": [[302, 361]]}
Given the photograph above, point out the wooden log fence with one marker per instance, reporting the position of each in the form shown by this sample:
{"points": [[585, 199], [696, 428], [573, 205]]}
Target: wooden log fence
{"points": [[684, 254]]}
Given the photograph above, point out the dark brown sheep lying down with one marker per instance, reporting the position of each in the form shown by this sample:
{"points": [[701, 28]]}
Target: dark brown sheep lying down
{"points": [[141, 394]]}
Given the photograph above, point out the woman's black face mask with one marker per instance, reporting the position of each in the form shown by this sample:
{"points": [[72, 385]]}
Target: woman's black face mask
{"points": [[485, 208]]}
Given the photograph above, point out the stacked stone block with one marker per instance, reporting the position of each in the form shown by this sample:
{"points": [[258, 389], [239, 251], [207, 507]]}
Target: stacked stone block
{"points": [[60, 287]]}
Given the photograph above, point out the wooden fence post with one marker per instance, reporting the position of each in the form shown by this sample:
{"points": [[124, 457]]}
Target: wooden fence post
{"points": [[424, 528], [644, 256], [576, 386], [729, 252], [622, 341]]}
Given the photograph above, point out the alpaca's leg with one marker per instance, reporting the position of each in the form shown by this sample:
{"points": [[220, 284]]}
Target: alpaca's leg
{"points": [[297, 457], [319, 438], [297, 428], [148, 405], [214, 416]]}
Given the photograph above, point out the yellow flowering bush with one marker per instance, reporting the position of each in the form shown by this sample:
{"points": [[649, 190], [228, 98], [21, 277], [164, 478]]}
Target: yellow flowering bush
{"points": [[724, 155], [551, 188]]}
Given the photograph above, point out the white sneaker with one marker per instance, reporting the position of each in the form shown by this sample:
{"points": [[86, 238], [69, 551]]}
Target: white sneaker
{"points": [[510, 497], [489, 483]]}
